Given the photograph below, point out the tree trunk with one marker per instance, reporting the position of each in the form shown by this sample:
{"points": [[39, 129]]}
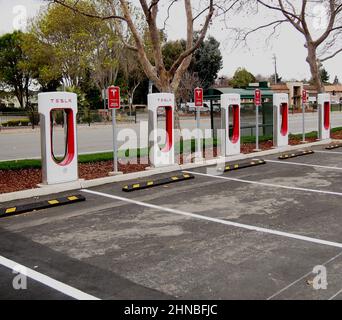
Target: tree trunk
{"points": [[314, 68]]}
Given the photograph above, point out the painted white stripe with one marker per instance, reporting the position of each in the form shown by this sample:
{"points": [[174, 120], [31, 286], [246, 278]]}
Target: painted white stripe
{"points": [[335, 295], [331, 152], [304, 164], [302, 278], [210, 219], [266, 184], [52, 283]]}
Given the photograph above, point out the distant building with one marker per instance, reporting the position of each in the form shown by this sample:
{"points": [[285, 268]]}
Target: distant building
{"points": [[10, 101], [294, 89]]}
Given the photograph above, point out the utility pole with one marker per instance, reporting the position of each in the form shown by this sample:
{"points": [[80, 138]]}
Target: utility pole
{"points": [[275, 69]]}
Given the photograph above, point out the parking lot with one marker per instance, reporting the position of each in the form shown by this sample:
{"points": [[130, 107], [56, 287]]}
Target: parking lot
{"points": [[254, 233]]}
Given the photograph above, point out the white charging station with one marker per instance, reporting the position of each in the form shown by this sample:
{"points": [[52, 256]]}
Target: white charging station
{"points": [[230, 109], [58, 170], [280, 120], [165, 102], [324, 116]]}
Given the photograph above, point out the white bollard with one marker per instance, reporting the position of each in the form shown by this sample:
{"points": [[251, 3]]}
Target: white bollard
{"points": [[230, 107], [55, 171], [324, 116], [280, 120], [161, 156]]}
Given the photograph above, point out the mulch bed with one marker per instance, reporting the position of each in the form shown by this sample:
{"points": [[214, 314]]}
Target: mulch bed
{"points": [[17, 180]]}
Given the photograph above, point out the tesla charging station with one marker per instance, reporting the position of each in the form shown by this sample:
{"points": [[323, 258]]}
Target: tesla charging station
{"points": [[280, 120], [55, 170], [230, 108], [324, 114], [161, 156]]}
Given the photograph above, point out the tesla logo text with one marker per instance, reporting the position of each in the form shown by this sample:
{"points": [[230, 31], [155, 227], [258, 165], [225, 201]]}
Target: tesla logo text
{"points": [[60, 100]]}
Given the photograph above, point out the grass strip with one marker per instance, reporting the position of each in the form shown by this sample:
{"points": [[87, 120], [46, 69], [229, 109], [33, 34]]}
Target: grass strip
{"points": [[185, 147]]}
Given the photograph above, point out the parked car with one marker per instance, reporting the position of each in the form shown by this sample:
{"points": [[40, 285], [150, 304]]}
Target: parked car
{"points": [[190, 107]]}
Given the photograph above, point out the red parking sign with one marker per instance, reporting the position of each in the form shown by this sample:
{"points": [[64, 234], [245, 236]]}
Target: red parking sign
{"points": [[305, 96], [113, 98], [198, 97], [257, 97]]}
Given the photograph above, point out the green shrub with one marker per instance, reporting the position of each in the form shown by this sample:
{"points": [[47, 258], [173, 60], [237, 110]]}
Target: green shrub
{"points": [[16, 123]]}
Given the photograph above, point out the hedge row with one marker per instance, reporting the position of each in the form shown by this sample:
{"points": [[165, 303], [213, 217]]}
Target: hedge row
{"points": [[16, 123]]}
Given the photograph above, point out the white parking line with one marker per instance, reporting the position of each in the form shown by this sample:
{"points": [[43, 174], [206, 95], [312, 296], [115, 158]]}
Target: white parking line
{"points": [[215, 220], [304, 164], [301, 278], [335, 295], [271, 185], [333, 152], [52, 283]]}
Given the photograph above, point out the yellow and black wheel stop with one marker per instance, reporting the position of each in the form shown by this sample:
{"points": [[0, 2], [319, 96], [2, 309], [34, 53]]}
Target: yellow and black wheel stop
{"points": [[34, 206], [156, 183]]}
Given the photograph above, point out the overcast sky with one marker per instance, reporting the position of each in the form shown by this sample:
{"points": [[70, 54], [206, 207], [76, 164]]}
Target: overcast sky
{"points": [[257, 57]]}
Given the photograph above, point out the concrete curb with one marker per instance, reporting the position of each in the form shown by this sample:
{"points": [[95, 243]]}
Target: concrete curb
{"points": [[82, 184]]}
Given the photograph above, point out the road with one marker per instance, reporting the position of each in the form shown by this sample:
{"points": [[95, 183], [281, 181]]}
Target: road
{"points": [[264, 232], [25, 143]]}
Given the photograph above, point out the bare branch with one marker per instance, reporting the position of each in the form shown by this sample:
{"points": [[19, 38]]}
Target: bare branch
{"points": [[290, 14], [330, 26], [146, 64], [192, 49], [331, 56], [153, 3], [273, 23], [294, 19], [225, 11], [168, 12]]}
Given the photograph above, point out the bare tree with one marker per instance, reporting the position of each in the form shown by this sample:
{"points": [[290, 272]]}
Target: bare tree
{"points": [[133, 74], [187, 86], [121, 11], [320, 22], [105, 60]]}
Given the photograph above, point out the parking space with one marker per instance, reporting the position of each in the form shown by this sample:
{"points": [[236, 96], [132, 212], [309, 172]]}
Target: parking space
{"points": [[254, 233], [34, 290]]}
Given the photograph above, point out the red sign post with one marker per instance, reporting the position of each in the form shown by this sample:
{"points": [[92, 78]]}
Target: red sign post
{"points": [[304, 101], [257, 103], [257, 98], [113, 98], [113, 104], [199, 104], [305, 96], [198, 97]]}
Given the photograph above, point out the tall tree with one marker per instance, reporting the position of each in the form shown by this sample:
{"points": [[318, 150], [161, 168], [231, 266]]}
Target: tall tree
{"points": [[78, 45], [133, 75], [166, 80], [242, 78], [322, 40], [187, 86], [13, 72], [324, 75], [42, 63], [171, 51], [207, 62]]}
